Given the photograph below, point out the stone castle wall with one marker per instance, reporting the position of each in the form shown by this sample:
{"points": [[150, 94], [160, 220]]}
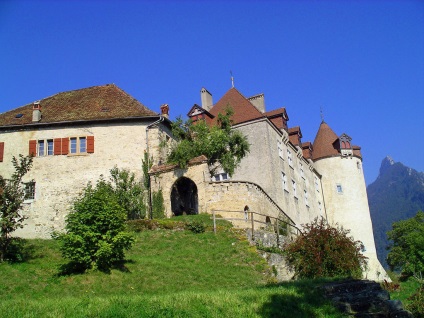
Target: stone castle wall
{"points": [[60, 178]]}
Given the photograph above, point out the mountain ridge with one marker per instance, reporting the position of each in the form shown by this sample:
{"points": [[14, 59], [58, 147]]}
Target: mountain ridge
{"points": [[396, 194]]}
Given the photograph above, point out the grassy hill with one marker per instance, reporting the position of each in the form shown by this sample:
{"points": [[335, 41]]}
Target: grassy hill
{"points": [[168, 273]]}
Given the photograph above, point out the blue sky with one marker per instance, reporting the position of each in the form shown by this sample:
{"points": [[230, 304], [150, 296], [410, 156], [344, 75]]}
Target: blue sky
{"points": [[362, 62]]}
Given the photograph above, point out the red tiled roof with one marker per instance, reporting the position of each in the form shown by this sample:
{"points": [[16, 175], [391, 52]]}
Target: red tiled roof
{"points": [[243, 109], [324, 143], [278, 111], [92, 103]]}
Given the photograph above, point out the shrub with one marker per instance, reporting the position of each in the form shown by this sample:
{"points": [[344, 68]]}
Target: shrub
{"points": [[325, 251], [406, 250], [130, 193], [416, 303], [196, 227], [158, 207], [11, 198], [95, 236]]}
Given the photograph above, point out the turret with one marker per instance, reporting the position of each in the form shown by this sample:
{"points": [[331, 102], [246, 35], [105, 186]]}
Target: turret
{"points": [[344, 191]]}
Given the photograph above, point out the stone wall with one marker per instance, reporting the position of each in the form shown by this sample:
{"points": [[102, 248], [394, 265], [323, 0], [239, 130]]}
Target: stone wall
{"points": [[271, 156], [60, 178]]}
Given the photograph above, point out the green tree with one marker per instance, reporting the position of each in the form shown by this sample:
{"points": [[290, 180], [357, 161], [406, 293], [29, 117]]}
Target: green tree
{"points": [[407, 247], [95, 234], [158, 207], [224, 147], [12, 196], [129, 192], [325, 251]]}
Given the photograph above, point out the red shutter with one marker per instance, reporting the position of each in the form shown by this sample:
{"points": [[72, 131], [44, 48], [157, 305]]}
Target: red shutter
{"points": [[57, 146], [65, 146], [33, 148], [90, 144], [1, 151]]}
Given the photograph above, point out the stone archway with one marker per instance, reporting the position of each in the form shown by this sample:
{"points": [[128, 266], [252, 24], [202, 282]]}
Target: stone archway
{"points": [[184, 199]]}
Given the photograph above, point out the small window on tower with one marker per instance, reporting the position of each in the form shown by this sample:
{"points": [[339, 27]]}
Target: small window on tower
{"points": [[339, 188]]}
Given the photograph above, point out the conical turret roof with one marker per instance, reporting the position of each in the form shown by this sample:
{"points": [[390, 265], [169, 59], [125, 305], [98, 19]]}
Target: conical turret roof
{"points": [[324, 143]]}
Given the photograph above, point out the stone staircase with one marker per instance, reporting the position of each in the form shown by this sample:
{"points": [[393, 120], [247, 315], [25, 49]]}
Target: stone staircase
{"points": [[363, 298]]}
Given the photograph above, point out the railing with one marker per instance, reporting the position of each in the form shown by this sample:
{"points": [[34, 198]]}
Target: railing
{"points": [[250, 216]]}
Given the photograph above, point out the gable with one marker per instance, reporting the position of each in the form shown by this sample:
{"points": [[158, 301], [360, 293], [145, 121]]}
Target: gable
{"points": [[243, 109]]}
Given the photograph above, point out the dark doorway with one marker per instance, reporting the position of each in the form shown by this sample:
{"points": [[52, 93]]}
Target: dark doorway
{"points": [[184, 197]]}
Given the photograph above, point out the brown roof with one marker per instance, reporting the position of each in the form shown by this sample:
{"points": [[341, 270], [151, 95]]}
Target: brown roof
{"points": [[324, 143], [169, 167], [243, 109], [92, 103], [278, 111]]}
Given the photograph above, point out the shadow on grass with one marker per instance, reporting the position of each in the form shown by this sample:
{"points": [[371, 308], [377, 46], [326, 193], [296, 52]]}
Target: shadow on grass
{"points": [[20, 251], [73, 268], [303, 300]]}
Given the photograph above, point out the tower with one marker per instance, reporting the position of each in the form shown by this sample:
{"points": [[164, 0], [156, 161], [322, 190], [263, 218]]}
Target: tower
{"points": [[344, 191]]}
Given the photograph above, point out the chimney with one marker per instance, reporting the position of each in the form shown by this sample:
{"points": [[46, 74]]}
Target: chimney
{"points": [[258, 101], [164, 109], [36, 111], [206, 98]]}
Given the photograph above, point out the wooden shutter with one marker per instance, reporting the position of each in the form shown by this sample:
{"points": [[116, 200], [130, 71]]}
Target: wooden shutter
{"points": [[57, 146], [65, 146], [33, 148], [90, 144], [1, 151]]}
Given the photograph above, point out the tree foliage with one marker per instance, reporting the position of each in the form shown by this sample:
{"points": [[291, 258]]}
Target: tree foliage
{"points": [[224, 147], [130, 193], [325, 251], [158, 207], [95, 234], [11, 198], [407, 247]]}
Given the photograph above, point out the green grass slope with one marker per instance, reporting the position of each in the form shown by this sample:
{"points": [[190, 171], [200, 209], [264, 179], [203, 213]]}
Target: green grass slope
{"points": [[168, 273]]}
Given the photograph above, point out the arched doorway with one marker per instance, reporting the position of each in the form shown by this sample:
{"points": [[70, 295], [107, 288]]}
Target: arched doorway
{"points": [[184, 197]]}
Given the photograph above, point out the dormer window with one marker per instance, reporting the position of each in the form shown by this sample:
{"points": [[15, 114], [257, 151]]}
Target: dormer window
{"points": [[345, 145]]}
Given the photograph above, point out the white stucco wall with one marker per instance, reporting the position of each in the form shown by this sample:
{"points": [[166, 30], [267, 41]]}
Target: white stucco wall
{"points": [[60, 178], [349, 208], [264, 166]]}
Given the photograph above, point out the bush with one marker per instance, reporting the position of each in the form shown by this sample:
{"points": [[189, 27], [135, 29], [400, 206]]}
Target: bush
{"points": [[416, 303], [95, 236], [158, 207], [325, 251], [406, 249], [196, 227], [130, 193]]}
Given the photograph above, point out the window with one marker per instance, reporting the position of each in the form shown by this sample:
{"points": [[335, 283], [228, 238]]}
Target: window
{"points": [[284, 180], [294, 188], [40, 146], [62, 146], [49, 147], [220, 177], [280, 149], [29, 191], [77, 145], [316, 183], [289, 158], [302, 174], [319, 206], [44, 147], [339, 188], [305, 194]]}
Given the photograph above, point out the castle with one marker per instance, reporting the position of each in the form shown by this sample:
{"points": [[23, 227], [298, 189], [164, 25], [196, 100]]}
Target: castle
{"points": [[77, 136]]}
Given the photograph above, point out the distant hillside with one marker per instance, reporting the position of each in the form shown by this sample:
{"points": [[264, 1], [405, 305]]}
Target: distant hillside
{"points": [[396, 194]]}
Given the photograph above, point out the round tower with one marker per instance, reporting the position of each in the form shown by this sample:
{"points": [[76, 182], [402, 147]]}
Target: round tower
{"points": [[344, 191]]}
